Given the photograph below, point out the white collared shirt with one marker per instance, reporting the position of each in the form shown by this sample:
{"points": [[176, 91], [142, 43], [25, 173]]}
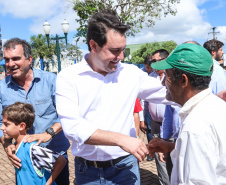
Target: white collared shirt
{"points": [[199, 156], [218, 80], [87, 101], [157, 111]]}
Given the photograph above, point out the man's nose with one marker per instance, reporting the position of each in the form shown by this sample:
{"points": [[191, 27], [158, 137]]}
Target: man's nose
{"points": [[11, 63], [2, 127], [121, 55]]}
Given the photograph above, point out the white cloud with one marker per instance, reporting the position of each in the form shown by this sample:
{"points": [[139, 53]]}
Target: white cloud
{"points": [[222, 35], [54, 11], [84, 51], [188, 24], [29, 8], [65, 12]]}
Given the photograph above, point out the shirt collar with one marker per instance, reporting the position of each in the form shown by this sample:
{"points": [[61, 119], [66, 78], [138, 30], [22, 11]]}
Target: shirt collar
{"points": [[214, 61], [192, 102], [85, 67]]}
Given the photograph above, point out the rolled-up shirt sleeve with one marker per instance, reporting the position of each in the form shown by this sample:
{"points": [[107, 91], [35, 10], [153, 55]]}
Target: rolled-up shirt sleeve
{"points": [[75, 127]]}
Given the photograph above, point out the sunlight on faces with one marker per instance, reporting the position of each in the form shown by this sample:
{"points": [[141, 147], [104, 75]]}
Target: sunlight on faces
{"points": [[157, 57], [148, 68], [10, 130], [108, 57], [172, 93], [219, 54], [16, 63]]}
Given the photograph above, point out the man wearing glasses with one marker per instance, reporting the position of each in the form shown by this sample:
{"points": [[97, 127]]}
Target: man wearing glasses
{"points": [[157, 113]]}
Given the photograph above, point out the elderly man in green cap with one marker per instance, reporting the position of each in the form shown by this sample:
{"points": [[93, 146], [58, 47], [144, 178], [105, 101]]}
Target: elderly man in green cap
{"points": [[199, 154]]}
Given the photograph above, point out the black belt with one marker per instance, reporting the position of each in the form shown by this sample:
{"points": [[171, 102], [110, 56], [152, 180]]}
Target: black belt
{"points": [[101, 164]]}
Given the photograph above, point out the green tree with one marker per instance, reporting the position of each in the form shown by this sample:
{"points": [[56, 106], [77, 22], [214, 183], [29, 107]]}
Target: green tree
{"points": [[73, 52], [40, 48], [69, 51], [148, 48], [132, 12]]}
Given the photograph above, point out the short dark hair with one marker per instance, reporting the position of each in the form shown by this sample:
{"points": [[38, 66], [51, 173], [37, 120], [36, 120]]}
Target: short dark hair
{"points": [[20, 112], [197, 82], [147, 60], [162, 52], [100, 22], [213, 45], [12, 43]]}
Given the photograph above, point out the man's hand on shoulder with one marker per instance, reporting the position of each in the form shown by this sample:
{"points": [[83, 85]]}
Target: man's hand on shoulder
{"points": [[41, 138], [44, 137]]}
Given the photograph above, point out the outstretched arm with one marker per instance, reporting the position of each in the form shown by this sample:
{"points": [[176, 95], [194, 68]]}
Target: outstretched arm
{"points": [[43, 137], [129, 144]]}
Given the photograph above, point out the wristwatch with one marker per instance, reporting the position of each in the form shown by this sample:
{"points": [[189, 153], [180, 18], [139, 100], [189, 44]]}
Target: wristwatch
{"points": [[51, 132]]}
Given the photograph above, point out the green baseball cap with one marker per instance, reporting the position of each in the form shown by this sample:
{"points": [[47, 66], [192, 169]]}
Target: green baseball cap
{"points": [[188, 57]]}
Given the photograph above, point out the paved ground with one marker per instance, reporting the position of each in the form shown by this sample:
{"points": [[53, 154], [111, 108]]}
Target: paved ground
{"points": [[147, 169]]}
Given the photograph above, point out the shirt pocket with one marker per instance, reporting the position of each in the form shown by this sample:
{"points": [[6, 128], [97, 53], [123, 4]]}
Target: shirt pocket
{"points": [[44, 107]]}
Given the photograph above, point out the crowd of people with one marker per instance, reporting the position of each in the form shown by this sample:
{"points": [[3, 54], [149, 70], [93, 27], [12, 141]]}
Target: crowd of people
{"points": [[95, 105]]}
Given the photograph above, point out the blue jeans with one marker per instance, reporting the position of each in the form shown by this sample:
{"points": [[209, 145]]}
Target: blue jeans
{"points": [[124, 172], [63, 177]]}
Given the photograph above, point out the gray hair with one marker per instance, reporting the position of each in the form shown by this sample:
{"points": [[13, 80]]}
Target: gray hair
{"points": [[12, 43]]}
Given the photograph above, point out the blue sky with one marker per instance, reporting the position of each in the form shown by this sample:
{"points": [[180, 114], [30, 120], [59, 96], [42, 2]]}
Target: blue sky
{"points": [[24, 18]]}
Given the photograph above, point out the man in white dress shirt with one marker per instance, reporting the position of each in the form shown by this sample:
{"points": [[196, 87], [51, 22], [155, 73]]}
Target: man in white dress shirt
{"points": [[95, 103], [199, 155], [215, 47]]}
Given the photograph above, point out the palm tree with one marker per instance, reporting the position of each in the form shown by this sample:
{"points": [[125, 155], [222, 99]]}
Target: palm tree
{"points": [[40, 48]]}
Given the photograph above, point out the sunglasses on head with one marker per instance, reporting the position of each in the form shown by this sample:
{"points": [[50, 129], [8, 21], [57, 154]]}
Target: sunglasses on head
{"points": [[156, 60]]}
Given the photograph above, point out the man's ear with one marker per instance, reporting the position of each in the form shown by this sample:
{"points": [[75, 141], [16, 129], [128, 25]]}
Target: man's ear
{"points": [[30, 59], [93, 45], [184, 80], [213, 53]]}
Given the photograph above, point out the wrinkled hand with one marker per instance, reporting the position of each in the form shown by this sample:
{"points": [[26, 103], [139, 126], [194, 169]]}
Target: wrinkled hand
{"points": [[161, 157], [41, 138], [134, 146], [159, 145], [222, 95], [143, 126], [10, 151]]}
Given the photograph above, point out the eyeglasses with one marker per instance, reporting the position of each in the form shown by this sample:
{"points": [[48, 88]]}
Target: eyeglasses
{"points": [[156, 60]]}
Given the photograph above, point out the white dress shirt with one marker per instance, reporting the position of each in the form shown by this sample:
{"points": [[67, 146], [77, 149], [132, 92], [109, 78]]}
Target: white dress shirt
{"points": [[199, 156], [87, 101], [157, 111], [218, 80]]}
